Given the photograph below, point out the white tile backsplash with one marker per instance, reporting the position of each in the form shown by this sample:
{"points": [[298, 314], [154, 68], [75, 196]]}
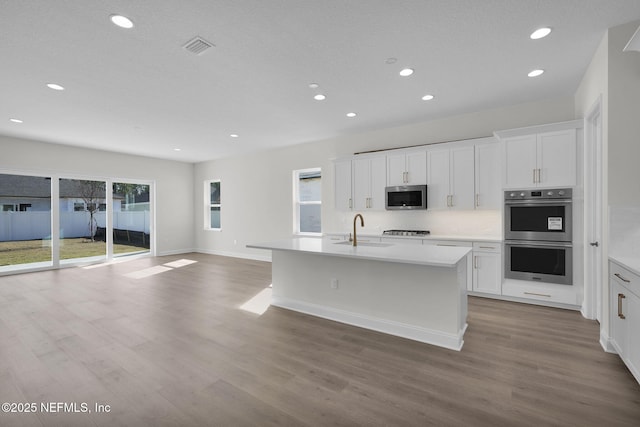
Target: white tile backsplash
{"points": [[451, 223]]}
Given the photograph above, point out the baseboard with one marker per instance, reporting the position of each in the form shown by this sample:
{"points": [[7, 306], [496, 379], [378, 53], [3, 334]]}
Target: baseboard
{"points": [[176, 252], [416, 333], [605, 342], [266, 258]]}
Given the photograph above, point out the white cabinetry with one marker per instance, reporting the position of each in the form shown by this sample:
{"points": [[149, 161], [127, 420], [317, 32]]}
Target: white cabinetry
{"points": [[450, 178], [488, 175], [624, 312], [540, 159], [457, 243], [343, 187], [407, 168], [369, 180], [487, 268]]}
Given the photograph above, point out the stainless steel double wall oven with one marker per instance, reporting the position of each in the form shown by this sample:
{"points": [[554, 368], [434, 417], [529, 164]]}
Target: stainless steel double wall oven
{"points": [[539, 235]]}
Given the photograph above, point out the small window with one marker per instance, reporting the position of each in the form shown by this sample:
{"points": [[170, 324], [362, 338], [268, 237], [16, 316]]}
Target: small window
{"points": [[212, 205], [25, 207], [307, 201], [8, 208], [78, 207]]}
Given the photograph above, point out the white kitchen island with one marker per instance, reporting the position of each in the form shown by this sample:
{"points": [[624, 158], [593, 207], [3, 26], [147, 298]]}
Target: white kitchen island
{"points": [[416, 292]]}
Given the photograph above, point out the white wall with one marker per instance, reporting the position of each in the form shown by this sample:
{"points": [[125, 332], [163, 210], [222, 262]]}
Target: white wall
{"points": [[173, 181], [256, 194], [624, 118]]}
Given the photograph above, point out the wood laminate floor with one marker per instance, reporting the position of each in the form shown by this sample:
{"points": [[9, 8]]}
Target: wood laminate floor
{"points": [[174, 349]]}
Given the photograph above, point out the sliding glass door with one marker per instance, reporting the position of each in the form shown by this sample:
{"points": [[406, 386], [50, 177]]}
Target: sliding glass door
{"points": [[25, 221], [83, 206], [131, 218]]}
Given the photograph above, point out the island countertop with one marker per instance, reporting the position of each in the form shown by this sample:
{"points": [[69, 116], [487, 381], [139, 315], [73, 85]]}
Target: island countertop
{"points": [[437, 256]]}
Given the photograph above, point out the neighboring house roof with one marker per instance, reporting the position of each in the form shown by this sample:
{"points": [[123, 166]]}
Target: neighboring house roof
{"points": [[39, 187]]}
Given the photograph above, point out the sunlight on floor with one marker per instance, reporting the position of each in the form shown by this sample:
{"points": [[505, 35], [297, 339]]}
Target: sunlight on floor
{"points": [[140, 274], [259, 303], [180, 263]]}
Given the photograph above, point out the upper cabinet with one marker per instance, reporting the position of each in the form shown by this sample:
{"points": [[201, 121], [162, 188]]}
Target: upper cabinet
{"points": [[369, 179], [407, 168], [488, 169], [343, 185], [450, 178], [543, 156]]}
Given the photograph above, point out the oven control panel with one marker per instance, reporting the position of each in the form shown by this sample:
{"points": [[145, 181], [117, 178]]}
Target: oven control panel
{"points": [[555, 193]]}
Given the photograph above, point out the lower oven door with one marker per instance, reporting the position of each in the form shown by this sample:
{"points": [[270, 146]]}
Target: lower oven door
{"points": [[549, 262]]}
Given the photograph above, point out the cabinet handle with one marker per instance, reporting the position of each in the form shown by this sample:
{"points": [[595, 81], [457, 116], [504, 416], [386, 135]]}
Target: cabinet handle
{"points": [[477, 200], [534, 175], [620, 298], [486, 247], [350, 203], [444, 244], [538, 295], [475, 262], [451, 200], [407, 177], [622, 278], [539, 175]]}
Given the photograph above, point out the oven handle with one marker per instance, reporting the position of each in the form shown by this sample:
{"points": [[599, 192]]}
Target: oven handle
{"points": [[538, 202], [535, 243]]}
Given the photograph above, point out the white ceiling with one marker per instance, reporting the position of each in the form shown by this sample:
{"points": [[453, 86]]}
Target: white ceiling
{"points": [[138, 91]]}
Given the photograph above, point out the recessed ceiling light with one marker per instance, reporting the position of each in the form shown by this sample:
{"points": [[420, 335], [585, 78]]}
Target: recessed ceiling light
{"points": [[16, 120], [319, 97], [177, 149], [391, 60], [121, 21], [54, 86], [406, 72], [314, 85], [535, 73], [234, 135], [427, 97], [351, 114], [540, 33]]}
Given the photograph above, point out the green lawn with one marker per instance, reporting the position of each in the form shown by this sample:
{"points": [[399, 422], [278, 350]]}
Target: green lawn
{"points": [[28, 251]]}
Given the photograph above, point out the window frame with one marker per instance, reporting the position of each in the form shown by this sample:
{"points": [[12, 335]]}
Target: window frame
{"points": [[208, 205], [297, 203]]}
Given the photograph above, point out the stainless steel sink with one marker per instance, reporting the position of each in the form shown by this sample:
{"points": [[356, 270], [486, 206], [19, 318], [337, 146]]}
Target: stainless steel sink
{"points": [[374, 244]]}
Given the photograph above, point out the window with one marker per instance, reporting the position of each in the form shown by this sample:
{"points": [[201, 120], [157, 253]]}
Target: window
{"points": [[78, 207], [212, 205], [307, 201]]}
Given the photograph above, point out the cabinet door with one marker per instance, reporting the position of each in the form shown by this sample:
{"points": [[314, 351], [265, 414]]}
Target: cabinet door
{"points": [[396, 168], [618, 324], [556, 153], [462, 177], [438, 179], [487, 272], [519, 154], [417, 168], [633, 334], [361, 184], [378, 171], [488, 186], [342, 184]]}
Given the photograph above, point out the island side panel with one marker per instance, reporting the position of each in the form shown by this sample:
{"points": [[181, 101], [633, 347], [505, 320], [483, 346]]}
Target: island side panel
{"points": [[419, 302]]}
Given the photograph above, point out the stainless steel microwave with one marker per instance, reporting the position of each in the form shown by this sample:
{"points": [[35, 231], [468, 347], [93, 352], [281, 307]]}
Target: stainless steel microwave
{"points": [[406, 197]]}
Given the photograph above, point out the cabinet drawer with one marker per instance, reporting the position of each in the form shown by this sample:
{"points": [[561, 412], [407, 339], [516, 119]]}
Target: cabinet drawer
{"points": [[625, 277], [487, 247], [447, 243], [562, 294]]}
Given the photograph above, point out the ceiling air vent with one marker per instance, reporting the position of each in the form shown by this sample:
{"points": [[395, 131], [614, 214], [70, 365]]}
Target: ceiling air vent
{"points": [[198, 45]]}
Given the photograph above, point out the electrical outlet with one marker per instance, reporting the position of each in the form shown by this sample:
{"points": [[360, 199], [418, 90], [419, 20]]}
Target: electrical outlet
{"points": [[334, 283]]}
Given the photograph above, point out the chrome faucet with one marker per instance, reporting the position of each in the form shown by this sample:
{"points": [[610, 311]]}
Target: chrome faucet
{"points": [[355, 240]]}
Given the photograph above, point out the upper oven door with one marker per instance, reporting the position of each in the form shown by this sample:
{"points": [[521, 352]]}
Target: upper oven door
{"points": [[545, 220]]}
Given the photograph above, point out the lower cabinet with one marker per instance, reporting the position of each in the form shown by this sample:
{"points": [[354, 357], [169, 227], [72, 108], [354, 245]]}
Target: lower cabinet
{"points": [[487, 268], [624, 309]]}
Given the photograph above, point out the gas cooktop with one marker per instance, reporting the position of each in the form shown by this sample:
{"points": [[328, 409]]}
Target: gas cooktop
{"points": [[406, 232]]}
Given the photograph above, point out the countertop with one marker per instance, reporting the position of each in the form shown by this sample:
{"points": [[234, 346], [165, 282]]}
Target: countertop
{"points": [[428, 255], [629, 262], [457, 237]]}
